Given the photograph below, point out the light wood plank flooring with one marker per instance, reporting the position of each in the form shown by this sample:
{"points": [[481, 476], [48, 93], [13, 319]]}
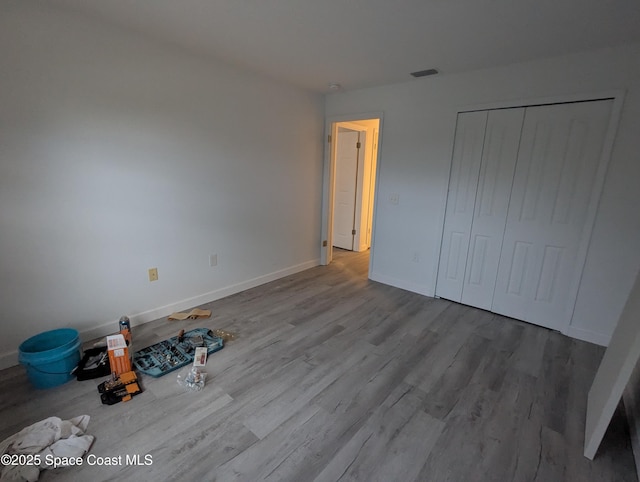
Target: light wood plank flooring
{"points": [[335, 377]]}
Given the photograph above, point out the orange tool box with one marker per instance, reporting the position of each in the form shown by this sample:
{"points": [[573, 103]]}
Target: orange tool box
{"points": [[118, 354]]}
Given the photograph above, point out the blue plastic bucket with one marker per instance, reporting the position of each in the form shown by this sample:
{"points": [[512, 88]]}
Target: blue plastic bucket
{"points": [[50, 356]]}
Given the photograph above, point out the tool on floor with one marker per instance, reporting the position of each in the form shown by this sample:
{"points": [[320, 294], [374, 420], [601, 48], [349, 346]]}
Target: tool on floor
{"points": [[169, 355], [119, 359], [119, 389], [194, 380]]}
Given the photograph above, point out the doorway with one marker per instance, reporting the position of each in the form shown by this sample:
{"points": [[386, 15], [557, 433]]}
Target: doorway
{"points": [[351, 164]]}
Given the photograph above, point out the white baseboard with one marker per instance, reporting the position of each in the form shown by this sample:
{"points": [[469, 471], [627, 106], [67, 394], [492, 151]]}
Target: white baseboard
{"points": [[588, 335], [402, 284], [9, 359]]}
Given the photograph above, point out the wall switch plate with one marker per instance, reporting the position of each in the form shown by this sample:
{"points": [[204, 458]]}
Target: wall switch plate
{"points": [[213, 260], [153, 274]]}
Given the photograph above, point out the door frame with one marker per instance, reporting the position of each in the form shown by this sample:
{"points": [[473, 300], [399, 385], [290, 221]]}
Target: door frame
{"points": [[328, 183], [364, 159], [617, 96]]}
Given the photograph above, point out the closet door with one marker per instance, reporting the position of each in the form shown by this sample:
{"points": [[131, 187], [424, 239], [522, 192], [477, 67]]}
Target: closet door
{"points": [[547, 228], [499, 155], [463, 181]]}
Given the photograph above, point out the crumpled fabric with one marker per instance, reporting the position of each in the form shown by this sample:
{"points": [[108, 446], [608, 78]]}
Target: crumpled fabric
{"points": [[52, 436]]}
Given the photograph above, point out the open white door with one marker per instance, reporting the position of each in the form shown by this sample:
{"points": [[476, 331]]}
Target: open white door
{"points": [[614, 372], [345, 190]]}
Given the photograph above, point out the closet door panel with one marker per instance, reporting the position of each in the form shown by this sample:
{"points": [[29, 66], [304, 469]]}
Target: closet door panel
{"points": [[499, 155], [553, 187], [463, 182]]}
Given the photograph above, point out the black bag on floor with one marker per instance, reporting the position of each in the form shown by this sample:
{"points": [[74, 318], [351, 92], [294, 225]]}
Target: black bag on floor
{"points": [[94, 364]]}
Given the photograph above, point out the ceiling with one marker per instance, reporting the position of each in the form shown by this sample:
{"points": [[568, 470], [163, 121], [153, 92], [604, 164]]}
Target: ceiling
{"points": [[361, 43]]}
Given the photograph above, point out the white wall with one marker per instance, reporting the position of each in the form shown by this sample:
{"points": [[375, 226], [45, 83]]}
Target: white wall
{"points": [[416, 143], [118, 154]]}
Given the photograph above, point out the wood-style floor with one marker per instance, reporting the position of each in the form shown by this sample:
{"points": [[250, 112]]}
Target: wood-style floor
{"points": [[335, 377]]}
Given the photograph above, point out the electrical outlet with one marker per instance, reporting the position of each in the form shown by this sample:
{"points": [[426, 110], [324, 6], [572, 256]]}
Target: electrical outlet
{"points": [[153, 274], [394, 198], [213, 260], [416, 257]]}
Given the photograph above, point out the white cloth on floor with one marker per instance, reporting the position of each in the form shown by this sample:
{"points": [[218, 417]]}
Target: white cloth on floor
{"points": [[53, 437]]}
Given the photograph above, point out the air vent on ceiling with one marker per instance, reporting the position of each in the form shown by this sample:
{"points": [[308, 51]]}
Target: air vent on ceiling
{"points": [[424, 73]]}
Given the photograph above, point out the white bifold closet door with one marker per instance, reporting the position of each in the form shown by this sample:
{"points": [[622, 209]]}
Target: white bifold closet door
{"points": [[547, 233], [465, 165], [491, 205], [517, 221]]}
